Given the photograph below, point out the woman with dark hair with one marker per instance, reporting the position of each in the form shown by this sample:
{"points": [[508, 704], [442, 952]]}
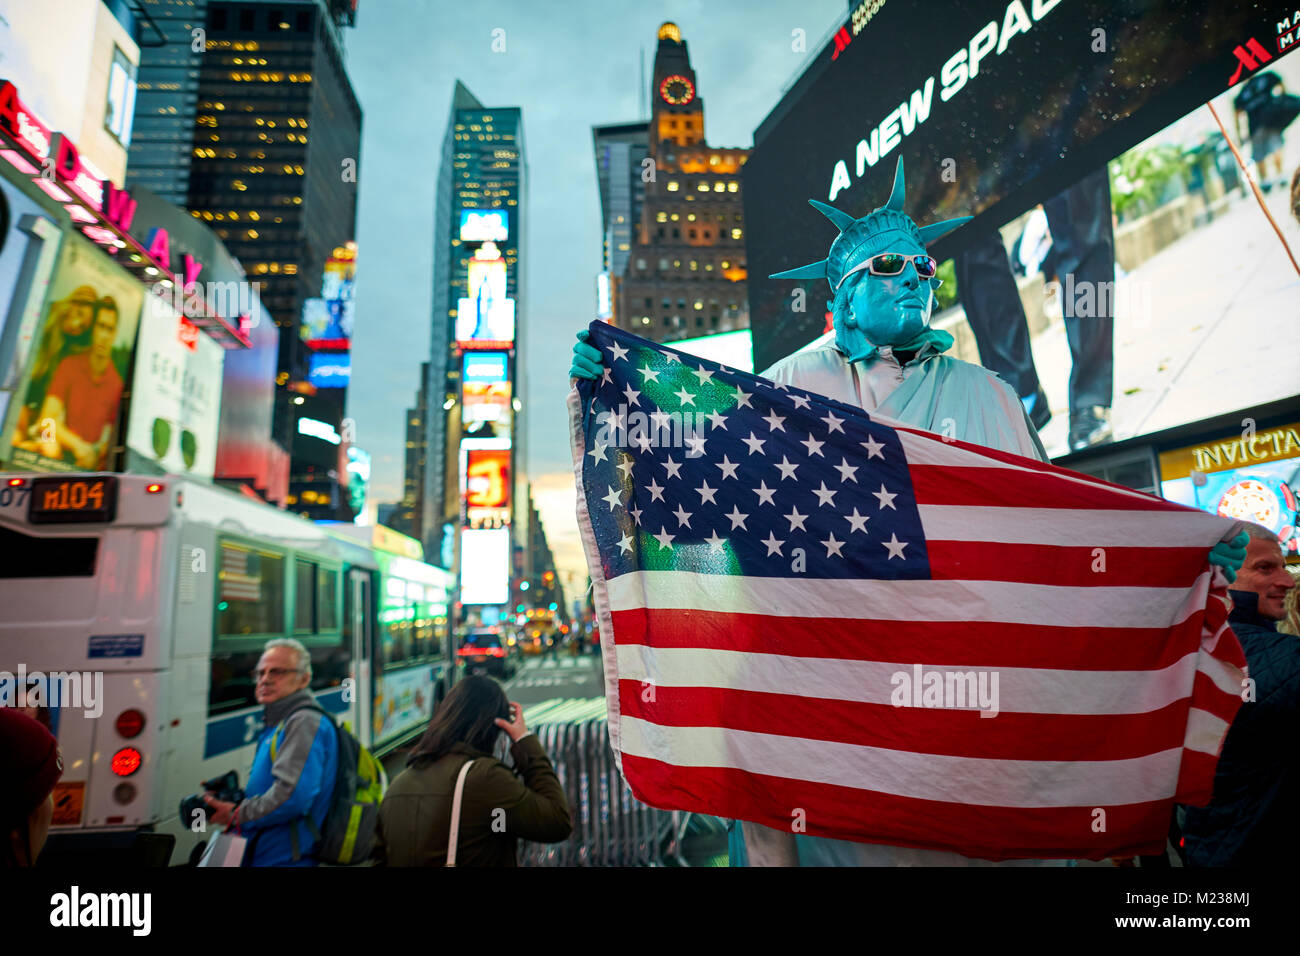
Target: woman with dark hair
{"points": [[452, 767]]}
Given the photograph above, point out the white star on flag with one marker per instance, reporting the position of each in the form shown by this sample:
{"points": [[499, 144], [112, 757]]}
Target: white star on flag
{"points": [[650, 374], [597, 452], [706, 493], [672, 467], [824, 495], [633, 396], [625, 543], [664, 538], [814, 446], [737, 519], [754, 442], [873, 448], [703, 374], [743, 397], [765, 493], [716, 420], [656, 490], [833, 423], [786, 469], [683, 516], [715, 541], [833, 546], [617, 351], [795, 518], [774, 421], [697, 446], [613, 498], [773, 545], [895, 546], [686, 397], [847, 471], [856, 522], [728, 468], [886, 499]]}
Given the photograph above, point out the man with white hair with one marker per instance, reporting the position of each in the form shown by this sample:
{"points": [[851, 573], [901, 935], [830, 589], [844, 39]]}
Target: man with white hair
{"points": [[1257, 785], [292, 780]]}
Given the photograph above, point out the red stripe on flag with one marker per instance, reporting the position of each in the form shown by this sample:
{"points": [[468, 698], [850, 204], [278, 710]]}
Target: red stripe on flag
{"points": [[997, 487], [835, 811], [1065, 566], [956, 644], [958, 733]]}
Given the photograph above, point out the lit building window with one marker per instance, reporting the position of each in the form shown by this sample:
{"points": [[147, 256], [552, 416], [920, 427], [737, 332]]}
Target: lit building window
{"points": [[733, 186], [672, 185], [735, 234], [703, 187], [719, 187]]}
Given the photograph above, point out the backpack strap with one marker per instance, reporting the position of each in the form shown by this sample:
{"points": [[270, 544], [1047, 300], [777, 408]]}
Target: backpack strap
{"points": [[275, 747], [455, 813]]}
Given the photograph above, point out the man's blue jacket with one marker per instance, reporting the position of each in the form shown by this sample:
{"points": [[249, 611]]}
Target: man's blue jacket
{"points": [[292, 776]]}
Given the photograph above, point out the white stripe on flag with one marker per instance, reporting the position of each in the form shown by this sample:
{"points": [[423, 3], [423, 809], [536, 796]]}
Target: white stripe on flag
{"points": [[1092, 528], [955, 601], [1205, 732], [1022, 690], [964, 780]]}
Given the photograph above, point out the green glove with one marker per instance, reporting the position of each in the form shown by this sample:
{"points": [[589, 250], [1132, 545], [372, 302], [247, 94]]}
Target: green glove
{"points": [[1230, 555], [588, 362]]}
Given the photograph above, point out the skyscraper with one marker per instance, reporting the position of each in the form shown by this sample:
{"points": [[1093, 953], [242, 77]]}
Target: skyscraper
{"points": [[275, 140], [621, 176], [167, 93], [685, 272], [474, 486]]}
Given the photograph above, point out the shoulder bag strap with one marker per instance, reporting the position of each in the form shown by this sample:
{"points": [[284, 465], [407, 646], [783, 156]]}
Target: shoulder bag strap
{"points": [[455, 813]]}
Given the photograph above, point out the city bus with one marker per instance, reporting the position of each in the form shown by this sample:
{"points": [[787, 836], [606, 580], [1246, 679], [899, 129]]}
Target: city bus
{"points": [[163, 591]]}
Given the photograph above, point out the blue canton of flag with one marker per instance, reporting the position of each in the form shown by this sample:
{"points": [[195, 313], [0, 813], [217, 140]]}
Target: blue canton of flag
{"points": [[689, 465]]}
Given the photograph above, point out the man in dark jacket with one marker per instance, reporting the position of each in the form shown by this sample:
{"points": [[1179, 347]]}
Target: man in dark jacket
{"points": [[1257, 785], [293, 772]]}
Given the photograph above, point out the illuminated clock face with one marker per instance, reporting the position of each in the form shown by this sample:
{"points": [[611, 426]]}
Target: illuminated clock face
{"points": [[677, 90]]}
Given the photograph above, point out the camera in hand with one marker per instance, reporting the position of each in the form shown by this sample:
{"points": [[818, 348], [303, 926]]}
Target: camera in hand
{"points": [[226, 787]]}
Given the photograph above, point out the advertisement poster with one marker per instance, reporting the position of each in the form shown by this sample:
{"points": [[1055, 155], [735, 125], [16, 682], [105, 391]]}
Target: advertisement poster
{"points": [[176, 394], [1253, 478], [403, 700], [486, 409], [485, 566], [64, 416], [486, 318], [487, 478]]}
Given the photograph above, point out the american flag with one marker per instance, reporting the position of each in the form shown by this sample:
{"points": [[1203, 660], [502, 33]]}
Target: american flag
{"points": [[820, 620]]}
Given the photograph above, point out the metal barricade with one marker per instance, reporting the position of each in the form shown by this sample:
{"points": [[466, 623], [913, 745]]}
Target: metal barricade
{"points": [[610, 826]]}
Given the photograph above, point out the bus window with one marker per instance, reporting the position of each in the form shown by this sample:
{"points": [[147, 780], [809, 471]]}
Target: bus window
{"points": [[423, 635], [25, 556], [304, 596], [327, 597], [396, 631], [251, 595]]}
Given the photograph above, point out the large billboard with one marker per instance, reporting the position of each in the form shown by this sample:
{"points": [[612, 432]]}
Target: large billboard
{"points": [[65, 413], [1107, 203], [484, 225], [485, 319], [327, 321], [485, 566], [487, 478], [1253, 475], [486, 406], [175, 394]]}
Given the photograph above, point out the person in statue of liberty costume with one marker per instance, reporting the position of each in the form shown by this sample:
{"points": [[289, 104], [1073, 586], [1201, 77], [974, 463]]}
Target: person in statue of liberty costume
{"points": [[886, 359]]}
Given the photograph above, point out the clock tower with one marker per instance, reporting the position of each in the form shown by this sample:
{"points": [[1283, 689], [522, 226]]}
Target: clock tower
{"points": [[677, 112]]}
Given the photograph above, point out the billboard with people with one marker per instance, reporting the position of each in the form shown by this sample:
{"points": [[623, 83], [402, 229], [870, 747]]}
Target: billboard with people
{"points": [[66, 410], [1119, 263]]}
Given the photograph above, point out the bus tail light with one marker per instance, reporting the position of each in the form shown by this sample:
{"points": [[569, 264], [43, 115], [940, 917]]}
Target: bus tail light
{"points": [[16, 482], [130, 723], [154, 489], [124, 792], [126, 761]]}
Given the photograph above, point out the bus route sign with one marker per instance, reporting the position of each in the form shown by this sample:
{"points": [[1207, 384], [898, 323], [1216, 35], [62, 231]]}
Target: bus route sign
{"points": [[58, 499]]}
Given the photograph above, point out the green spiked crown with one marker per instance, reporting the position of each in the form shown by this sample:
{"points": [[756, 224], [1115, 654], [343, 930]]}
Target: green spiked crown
{"points": [[861, 238]]}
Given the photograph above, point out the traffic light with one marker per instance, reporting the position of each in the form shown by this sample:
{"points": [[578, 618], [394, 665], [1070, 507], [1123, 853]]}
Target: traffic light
{"points": [[519, 609], [553, 606], [523, 585]]}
